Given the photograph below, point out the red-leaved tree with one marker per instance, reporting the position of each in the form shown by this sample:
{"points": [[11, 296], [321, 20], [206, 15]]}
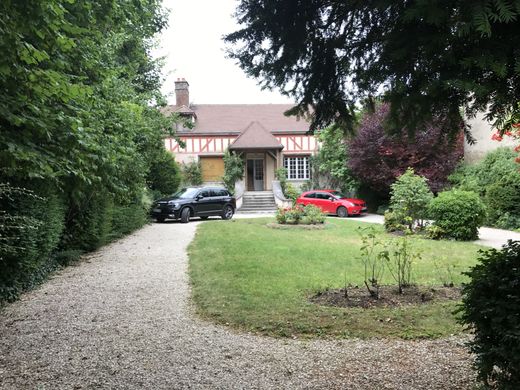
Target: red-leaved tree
{"points": [[377, 158]]}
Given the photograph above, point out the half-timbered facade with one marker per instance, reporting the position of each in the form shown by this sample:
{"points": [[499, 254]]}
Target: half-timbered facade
{"points": [[261, 133]]}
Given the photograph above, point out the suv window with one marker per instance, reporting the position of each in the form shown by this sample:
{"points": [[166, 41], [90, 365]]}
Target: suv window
{"points": [[221, 192], [311, 195], [205, 193]]}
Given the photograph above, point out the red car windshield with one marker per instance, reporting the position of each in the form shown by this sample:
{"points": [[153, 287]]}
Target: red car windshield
{"points": [[338, 194]]}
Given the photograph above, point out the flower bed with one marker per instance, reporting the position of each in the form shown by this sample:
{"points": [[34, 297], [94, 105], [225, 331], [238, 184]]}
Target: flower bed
{"points": [[300, 215]]}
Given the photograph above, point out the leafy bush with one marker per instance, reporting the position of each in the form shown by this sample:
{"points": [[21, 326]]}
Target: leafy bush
{"points": [[458, 213], [308, 215], [372, 255], [164, 176], [400, 258], [377, 158], [394, 222], [508, 221], [490, 306], [503, 202], [191, 173], [313, 215], [410, 199], [233, 170]]}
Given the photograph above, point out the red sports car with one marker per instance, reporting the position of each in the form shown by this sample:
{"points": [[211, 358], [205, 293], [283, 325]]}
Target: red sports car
{"points": [[333, 202]]}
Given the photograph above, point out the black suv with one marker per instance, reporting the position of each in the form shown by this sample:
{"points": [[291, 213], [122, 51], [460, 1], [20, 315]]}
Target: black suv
{"points": [[195, 202]]}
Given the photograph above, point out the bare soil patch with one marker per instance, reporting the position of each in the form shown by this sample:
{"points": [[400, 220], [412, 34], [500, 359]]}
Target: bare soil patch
{"points": [[389, 296]]}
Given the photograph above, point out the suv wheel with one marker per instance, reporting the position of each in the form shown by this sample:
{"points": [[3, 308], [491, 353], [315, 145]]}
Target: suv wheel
{"points": [[185, 215], [228, 212], [160, 219]]}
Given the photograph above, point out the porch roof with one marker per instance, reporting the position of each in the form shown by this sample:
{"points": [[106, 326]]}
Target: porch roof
{"points": [[255, 136]]}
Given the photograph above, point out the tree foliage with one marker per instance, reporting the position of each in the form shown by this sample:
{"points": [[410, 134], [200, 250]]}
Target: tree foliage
{"points": [[426, 58], [377, 158], [330, 169], [79, 114]]}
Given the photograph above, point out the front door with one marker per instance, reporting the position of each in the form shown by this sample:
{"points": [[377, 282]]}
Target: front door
{"points": [[255, 174]]}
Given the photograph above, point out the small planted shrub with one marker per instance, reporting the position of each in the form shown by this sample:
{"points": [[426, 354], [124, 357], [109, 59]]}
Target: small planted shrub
{"points": [[410, 198], [400, 258], [458, 214], [312, 215], [394, 222], [373, 255], [308, 215], [490, 306]]}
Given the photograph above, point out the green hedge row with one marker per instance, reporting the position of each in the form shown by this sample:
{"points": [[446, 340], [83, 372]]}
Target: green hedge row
{"points": [[43, 230]]}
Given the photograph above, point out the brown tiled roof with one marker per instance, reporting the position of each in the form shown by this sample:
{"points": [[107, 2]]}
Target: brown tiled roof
{"points": [[233, 118], [255, 136]]}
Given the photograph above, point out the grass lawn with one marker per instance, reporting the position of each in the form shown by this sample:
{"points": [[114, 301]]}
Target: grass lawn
{"points": [[258, 279]]}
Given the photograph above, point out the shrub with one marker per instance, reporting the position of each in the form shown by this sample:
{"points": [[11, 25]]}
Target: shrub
{"points": [[164, 176], [394, 222], [372, 256], [410, 198], [233, 170], [313, 214], [503, 202], [400, 258], [458, 213], [308, 215], [490, 306], [191, 173]]}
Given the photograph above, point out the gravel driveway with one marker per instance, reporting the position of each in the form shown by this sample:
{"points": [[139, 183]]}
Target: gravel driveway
{"points": [[121, 319]]}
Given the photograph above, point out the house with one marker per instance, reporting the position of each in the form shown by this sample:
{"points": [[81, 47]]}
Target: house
{"points": [[482, 131], [261, 133]]}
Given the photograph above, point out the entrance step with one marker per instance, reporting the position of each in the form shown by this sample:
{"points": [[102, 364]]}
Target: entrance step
{"points": [[258, 202]]}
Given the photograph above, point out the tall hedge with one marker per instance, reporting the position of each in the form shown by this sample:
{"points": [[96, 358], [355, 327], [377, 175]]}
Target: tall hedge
{"points": [[34, 232]]}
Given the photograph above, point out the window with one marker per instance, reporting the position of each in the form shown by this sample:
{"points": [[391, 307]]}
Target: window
{"points": [[297, 168], [311, 195], [321, 195]]}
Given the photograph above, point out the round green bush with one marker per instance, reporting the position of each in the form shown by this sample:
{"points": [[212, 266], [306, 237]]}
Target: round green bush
{"points": [[491, 307], [458, 213]]}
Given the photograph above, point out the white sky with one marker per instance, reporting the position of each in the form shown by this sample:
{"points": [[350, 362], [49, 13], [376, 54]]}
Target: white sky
{"points": [[193, 49]]}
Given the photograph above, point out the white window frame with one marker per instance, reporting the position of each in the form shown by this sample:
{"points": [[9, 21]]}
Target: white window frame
{"points": [[298, 167]]}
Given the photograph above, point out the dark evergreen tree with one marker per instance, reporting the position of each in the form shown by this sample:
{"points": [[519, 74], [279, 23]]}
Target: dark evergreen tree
{"points": [[427, 58]]}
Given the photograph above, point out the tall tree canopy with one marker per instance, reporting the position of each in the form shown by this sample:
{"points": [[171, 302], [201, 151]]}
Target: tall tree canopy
{"points": [[425, 57]]}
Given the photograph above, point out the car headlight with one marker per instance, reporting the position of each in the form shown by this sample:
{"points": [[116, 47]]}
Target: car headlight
{"points": [[174, 204], [349, 204]]}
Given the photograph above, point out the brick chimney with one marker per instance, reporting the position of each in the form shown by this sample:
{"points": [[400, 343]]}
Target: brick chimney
{"points": [[182, 93]]}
